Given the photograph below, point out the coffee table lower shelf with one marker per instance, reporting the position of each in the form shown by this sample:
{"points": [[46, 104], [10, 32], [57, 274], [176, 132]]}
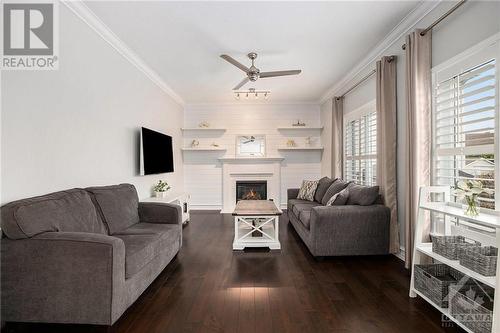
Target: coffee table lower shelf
{"points": [[245, 232]]}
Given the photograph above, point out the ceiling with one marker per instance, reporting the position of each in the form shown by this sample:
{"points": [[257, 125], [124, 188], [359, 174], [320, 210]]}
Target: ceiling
{"points": [[182, 42]]}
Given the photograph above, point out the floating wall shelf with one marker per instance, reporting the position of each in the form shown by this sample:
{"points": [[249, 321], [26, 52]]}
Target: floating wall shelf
{"points": [[261, 159], [203, 129], [301, 148], [300, 128], [204, 149]]}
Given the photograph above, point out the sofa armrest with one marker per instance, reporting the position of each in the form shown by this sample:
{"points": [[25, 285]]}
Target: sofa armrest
{"points": [[351, 229], [72, 276], [156, 212], [292, 193]]}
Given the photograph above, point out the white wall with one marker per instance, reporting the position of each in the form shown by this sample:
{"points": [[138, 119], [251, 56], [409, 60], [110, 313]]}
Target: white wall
{"points": [[326, 138], [78, 126], [203, 170], [472, 23]]}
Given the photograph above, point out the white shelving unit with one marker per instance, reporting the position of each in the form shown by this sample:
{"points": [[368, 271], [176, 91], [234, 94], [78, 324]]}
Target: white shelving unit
{"points": [[292, 128], [422, 250], [182, 199], [302, 148]]}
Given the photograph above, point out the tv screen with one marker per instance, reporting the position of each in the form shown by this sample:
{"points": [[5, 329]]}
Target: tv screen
{"points": [[156, 152]]}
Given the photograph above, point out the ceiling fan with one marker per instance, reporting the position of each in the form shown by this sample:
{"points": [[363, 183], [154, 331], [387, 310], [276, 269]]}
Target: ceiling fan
{"points": [[249, 139], [253, 73]]}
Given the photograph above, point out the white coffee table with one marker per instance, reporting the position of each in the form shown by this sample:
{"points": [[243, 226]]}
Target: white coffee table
{"points": [[256, 224]]}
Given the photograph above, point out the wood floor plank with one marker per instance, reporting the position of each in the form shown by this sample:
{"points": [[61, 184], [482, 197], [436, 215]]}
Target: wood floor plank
{"points": [[209, 288]]}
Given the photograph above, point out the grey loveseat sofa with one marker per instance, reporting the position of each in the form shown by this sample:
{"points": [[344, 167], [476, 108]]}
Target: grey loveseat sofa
{"points": [[340, 230], [83, 255]]}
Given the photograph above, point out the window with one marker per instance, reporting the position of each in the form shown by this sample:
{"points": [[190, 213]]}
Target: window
{"points": [[360, 145], [465, 122]]}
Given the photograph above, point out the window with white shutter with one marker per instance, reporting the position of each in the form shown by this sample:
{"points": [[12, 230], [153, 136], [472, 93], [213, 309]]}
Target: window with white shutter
{"points": [[360, 146], [465, 122]]}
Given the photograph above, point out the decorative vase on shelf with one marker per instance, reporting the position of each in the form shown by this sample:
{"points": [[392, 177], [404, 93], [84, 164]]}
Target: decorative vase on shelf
{"points": [[468, 191], [161, 194], [471, 209], [160, 189]]}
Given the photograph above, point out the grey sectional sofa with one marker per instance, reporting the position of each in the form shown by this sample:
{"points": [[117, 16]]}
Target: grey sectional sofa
{"points": [[340, 230], [83, 255]]}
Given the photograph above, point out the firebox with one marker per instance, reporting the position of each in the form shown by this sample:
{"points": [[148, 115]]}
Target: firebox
{"points": [[251, 190]]}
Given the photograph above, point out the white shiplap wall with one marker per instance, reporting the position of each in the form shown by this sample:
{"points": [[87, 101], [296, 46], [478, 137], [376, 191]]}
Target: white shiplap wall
{"points": [[203, 171]]}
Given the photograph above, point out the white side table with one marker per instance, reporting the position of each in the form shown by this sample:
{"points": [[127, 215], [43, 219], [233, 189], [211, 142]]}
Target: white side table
{"points": [[179, 198]]}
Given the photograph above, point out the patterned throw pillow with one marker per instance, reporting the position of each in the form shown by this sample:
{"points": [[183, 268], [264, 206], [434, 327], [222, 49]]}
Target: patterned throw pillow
{"points": [[339, 199], [307, 190]]}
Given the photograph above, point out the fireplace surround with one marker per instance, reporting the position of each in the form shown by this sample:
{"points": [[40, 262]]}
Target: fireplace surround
{"points": [[235, 169], [251, 190]]}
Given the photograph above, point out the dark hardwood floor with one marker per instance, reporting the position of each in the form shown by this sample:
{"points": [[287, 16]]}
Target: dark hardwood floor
{"points": [[210, 288]]}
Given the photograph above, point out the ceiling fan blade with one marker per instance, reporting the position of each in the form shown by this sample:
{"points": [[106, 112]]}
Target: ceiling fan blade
{"points": [[235, 62], [279, 73], [241, 84]]}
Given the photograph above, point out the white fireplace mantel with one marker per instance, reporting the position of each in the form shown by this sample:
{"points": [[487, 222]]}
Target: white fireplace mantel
{"points": [[251, 159], [253, 168]]}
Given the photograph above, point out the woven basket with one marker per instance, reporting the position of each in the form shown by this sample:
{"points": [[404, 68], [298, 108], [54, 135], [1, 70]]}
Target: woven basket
{"points": [[472, 305], [480, 259], [434, 281], [450, 246]]}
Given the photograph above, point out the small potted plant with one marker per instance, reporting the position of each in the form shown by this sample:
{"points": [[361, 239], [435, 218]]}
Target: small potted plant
{"points": [[468, 191], [161, 189]]}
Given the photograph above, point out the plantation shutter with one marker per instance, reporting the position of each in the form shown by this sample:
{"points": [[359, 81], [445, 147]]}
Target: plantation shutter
{"points": [[464, 128], [360, 149]]}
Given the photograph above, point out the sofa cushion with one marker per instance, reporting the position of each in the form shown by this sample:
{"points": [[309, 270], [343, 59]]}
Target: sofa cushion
{"points": [[307, 190], [362, 195], [337, 186], [70, 210], [323, 185], [300, 207], [118, 205], [340, 198], [144, 241], [305, 218], [293, 202]]}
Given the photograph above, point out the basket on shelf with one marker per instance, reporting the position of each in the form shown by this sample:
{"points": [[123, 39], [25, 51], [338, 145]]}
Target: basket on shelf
{"points": [[472, 305], [434, 281], [480, 259], [450, 246]]}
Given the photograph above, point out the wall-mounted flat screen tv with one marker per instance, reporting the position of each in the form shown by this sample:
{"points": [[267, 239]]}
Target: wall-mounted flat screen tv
{"points": [[156, 152]]}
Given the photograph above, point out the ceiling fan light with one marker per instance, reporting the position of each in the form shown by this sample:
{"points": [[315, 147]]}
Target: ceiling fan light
{"points": [[237, 96], [266, 96], [246, 96], [256, 96]]}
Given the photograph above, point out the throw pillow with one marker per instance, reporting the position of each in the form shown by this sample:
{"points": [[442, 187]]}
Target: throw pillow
{"points": [[323, 185], [362, 195], [307, 190], [337, 186], [340, 198]]}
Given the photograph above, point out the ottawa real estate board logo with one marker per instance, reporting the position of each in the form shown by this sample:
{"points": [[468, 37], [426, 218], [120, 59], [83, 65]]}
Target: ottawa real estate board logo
{"points": [[30, 38]]}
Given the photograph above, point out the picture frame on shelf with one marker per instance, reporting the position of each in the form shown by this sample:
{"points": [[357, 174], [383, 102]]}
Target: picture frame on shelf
{"points": [[250, 145]]}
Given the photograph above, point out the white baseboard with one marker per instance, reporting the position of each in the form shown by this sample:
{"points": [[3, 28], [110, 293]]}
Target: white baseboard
{"points": [[401, 254], [205, 207]]}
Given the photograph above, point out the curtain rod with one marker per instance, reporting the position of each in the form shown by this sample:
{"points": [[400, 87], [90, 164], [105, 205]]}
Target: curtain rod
{"points": [[366, 77], [445, 15], [359, 82]]}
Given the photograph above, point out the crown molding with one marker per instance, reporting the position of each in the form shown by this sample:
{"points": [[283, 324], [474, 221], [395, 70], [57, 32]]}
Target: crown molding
{"points": [[400, 30], [221, 104], [94, 22]]}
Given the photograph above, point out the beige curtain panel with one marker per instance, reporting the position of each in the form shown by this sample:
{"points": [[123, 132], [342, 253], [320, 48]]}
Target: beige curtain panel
{"points": [[418, 129], [387, 142], [337, 137]]}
